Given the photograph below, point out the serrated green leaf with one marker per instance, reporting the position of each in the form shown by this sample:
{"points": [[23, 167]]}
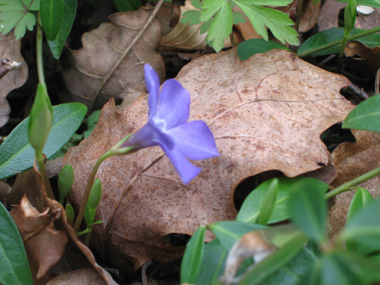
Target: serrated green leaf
{"points": [[13, 260], [51, 12], [196, 3], [191, 17], [366, 116], [271, 2], [16, 153], [278, 22], [221, 27], [69, 12], [237, 18], [210, 8], [192, 258]]}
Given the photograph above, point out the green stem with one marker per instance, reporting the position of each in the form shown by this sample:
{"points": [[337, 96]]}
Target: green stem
{"points": [[45, 180], [90, 182], [337, 42], [346, 186], [88, 236], [39, 49]]}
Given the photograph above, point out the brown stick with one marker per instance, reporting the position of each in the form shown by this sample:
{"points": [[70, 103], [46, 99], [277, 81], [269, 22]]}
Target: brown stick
{"points": [[129, 48]]}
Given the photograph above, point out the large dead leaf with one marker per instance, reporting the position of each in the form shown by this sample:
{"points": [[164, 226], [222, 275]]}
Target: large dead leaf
{"points": [[351, 161], [102, 48], [266, 113], [10, 49]]}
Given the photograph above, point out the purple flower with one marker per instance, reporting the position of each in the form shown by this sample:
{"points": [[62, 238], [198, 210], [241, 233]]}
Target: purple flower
{"points": [[168, 127]]}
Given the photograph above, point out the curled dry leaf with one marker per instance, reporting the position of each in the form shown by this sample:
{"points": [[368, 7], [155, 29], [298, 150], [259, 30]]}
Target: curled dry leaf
{"points": [[44, 244], [365, 57], [352, 160], [10, 50], [102, 48], [266, 113]]}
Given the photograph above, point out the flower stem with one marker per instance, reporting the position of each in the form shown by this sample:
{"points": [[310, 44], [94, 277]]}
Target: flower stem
{"points": [[346, 186], [45, 180], [90, 182], [337, 42], [39, 50]]}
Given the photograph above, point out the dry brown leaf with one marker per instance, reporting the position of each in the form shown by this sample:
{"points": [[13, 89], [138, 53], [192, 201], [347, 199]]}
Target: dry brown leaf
{"points": [[102, 48], [266, 113], [352, 160], [309, 16], [10, 49], [84, 276], [44, 244]]}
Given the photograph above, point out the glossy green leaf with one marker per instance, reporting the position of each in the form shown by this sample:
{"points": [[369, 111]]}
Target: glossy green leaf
{"points": [[308, 209], [51, 12], [330, 35], [16, 153], [275, 261], [251, 206], [292, 272], [250, 47], [69, 12], [192, 258], [65, 182], [362, 231], [41, 118], [229, 232], [16, 15], [366, 116], [91, 123], [13, 260], [127, 5], [266, 207], [213, 261], [372, 3], [361, 199]]}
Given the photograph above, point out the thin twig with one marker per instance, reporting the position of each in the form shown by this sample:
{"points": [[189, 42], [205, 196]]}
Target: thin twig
{"points": [[129, 48]]}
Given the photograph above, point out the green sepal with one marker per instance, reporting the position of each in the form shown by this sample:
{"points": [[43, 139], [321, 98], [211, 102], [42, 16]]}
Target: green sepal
{"points": [[41, 118], [93, 201], [70, 213], [65, 182]]}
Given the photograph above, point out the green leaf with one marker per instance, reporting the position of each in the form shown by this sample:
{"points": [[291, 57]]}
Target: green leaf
{"points": [[127, 5], [70, 213], [250, 47], [275, 261], [251, 206], [69, 12], [65, 182], [372, 3], [291, 272], [93, 201], [362, 231], [278, 22], [361, 199], [330, 35], [91, 123], [41, 118], [212, 266], [13, 260], [192, 258], [51, 12], [197, 4], [308, 210], [349, 17], [191, 17], [266, 207], [16, 15], [16, 153], [221, 26], [366, 116], [229, 232]]}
